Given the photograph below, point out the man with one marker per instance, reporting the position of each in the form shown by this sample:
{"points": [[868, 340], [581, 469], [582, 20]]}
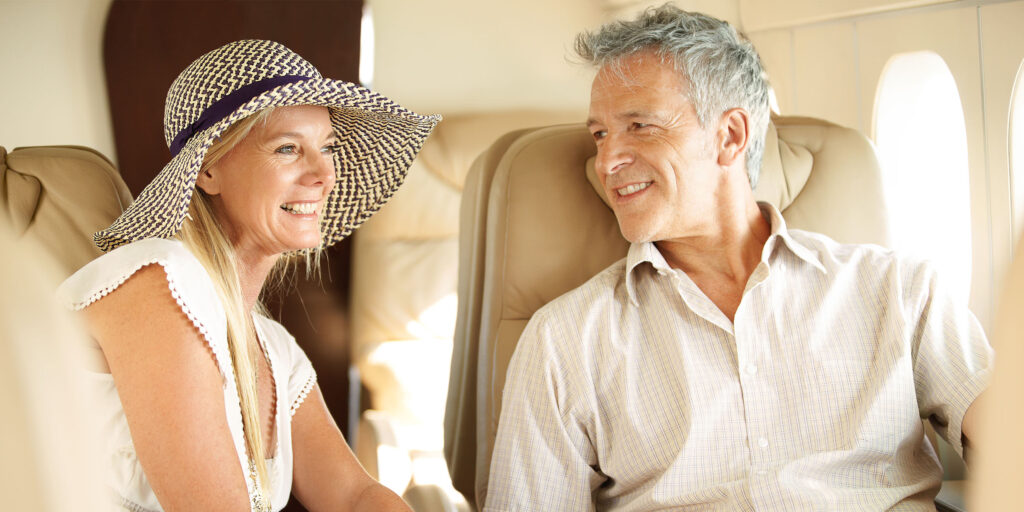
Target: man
{"points": [[726, 363]]}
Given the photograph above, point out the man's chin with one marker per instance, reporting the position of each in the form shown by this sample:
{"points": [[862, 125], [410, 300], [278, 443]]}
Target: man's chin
{"points": [[636, 234]]}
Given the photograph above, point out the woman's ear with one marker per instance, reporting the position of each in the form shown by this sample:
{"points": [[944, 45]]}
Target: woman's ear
{"points": [[734, 135], [207, 181]]}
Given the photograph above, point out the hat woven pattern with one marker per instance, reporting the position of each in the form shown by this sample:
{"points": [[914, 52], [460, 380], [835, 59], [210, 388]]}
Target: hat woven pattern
{"points": [[378, 139]]}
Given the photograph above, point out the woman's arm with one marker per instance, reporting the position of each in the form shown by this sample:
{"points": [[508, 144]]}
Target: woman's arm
{"points": [[327, 475], [172, 395]]}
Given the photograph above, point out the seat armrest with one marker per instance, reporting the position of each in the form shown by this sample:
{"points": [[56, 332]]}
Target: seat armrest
{"points": [[951, 496]]}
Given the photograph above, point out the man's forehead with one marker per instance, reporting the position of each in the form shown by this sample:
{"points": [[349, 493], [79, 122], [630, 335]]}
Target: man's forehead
{"points": [[635, 79], [645, 69]]}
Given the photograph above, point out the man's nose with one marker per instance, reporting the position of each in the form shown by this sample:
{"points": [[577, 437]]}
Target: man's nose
{"points": [[613, 154]]}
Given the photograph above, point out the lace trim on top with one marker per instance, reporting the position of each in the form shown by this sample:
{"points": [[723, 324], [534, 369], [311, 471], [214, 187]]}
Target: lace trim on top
{"points": [[131, 506], [306, 388]]}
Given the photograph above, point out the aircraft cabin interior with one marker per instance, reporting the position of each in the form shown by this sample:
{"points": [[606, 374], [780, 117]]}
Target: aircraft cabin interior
{"points": [[898, 123]]}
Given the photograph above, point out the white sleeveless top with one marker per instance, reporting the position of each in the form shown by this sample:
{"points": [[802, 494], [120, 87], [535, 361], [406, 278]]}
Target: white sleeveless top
{"points": [[194, 291]]}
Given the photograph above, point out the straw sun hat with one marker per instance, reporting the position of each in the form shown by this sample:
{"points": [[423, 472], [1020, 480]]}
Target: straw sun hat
{"points": [[378, 139]]}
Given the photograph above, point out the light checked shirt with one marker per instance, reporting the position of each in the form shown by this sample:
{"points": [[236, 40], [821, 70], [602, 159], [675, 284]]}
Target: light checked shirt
{"points": [[635, 392]]}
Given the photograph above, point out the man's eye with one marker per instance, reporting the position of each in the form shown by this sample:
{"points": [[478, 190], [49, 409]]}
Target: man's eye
{"points": [[637, 126], [287, 149], [600, 134]]}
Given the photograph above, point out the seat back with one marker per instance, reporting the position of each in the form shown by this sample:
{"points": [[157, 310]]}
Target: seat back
{"points": [[403, 302], [58, 196], [52, 199], [995, 475], [49, 462], [533, 226]]}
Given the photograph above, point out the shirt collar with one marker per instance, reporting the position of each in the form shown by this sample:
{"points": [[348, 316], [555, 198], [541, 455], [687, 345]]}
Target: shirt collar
{"points": [[780, 231], [648, 252]]}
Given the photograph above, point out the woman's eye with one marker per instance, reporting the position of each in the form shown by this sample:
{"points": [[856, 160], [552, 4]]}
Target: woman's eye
{"points": [[287, 149], [330, 148]]}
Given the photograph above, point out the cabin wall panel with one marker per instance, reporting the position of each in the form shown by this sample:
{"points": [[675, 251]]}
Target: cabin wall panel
{"points": [[728, 10], [53, 86], [825, 74], [953, 35], [776, 50], [761, 15], [1002, 49], [458, 56]]}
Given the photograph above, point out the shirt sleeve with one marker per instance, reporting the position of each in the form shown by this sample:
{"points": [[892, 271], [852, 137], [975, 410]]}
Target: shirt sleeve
{"points": [[301, 378], [952, 357], [543, 458], [187, 279]]}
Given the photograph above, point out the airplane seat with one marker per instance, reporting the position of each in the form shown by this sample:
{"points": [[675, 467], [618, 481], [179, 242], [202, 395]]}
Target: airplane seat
{"points": [[403, 303], [59, 196], [534, 227], [999, 448], [51, 201]]}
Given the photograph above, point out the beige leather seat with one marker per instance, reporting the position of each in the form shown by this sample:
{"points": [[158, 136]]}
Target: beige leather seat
{"points": [[59, 196], [51, 201], [47, 463], [404, 273], [534, 228], [996, 479]]}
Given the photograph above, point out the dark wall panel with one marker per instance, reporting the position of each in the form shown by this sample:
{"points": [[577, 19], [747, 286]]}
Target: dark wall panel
{"points": [[148, 42]]}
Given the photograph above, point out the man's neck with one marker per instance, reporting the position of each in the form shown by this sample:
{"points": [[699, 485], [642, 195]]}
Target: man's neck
{"points": [[721, 259]]}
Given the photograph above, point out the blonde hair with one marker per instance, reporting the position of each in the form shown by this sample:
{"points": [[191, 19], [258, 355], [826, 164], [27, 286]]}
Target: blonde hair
{"points": [[207, 240]]}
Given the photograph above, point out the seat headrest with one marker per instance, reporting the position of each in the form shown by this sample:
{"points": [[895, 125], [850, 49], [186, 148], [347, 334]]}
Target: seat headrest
{"points": [[20, 193], [59, 196]]}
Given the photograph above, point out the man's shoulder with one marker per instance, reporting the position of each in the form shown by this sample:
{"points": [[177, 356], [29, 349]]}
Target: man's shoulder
{"points": [[828, 249], [866, 259]]}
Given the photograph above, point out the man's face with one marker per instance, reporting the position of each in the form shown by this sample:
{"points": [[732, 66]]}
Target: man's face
{"points": [[657, 165]]}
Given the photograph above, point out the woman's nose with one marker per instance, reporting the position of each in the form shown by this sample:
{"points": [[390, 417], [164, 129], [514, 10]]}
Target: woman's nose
{"points": [[321, 170]]}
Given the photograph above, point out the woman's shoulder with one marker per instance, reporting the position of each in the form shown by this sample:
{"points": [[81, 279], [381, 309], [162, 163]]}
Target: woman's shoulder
{"points": [[161, 266], [186, 276]]}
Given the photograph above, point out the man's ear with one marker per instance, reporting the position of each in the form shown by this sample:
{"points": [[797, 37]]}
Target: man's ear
{"points": [[733, 136], [207, 181]]}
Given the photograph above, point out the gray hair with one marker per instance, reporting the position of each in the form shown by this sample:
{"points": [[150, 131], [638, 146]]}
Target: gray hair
{"points": [[722, 67]]}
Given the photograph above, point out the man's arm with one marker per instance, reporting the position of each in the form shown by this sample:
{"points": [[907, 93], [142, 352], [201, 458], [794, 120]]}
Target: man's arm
{"points": [[968, 427], [953, 360], [543, 458]]}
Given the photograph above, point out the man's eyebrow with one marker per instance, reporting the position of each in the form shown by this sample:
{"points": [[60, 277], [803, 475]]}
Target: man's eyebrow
{"points": [[633, 114]]}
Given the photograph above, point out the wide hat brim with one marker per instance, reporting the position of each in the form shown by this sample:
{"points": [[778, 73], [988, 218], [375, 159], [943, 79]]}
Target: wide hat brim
{"points": [[378, 140]]}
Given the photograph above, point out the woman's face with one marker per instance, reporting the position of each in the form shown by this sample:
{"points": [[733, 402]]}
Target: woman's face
{"points": [[269, 191]]}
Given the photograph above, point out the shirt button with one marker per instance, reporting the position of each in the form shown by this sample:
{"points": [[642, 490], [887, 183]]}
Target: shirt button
{"points": [[751, 369], [762, 442]]}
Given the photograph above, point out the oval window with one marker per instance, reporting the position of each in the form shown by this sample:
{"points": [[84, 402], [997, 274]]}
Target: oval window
{"points": [[922, 143], [1016, 148]]}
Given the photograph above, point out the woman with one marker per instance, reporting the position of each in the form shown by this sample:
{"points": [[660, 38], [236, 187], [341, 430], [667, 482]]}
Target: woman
{"points": [[209, 404]]}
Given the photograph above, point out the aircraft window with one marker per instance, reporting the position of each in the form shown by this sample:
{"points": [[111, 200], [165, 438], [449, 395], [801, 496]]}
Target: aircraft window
{"points": [[922, 143], [1016, 131], [366, 47]]}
